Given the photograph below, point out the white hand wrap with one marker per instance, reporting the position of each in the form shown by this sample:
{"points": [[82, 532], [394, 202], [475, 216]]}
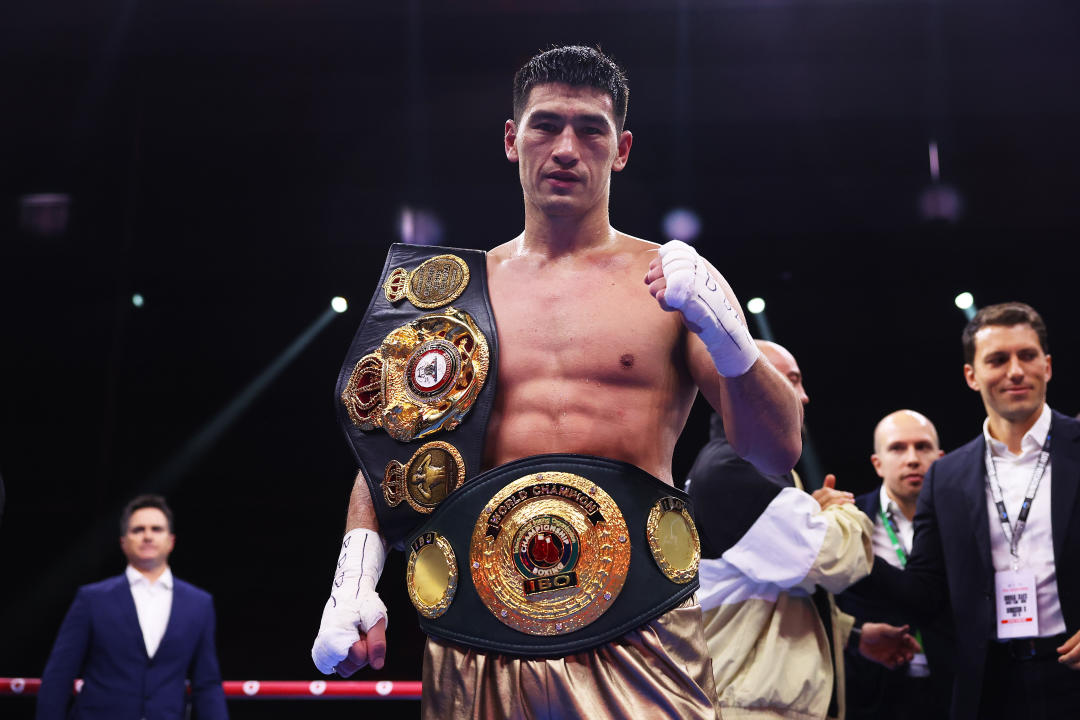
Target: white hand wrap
{"points": [[353, 601], [693, 291]]}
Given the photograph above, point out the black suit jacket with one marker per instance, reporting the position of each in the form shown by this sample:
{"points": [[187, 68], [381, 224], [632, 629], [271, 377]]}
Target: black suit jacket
{"points": [[871, 688], [950, 564]]}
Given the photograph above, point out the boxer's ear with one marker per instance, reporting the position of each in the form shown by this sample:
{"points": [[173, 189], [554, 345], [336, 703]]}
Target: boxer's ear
{"points": [[626, 139], [509, 141]]}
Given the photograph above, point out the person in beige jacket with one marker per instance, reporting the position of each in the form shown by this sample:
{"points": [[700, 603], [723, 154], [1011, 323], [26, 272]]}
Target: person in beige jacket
{"points": [[772, 556]]}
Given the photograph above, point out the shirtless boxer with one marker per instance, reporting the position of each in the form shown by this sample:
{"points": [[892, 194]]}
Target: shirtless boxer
{"points": [[590, 363]]}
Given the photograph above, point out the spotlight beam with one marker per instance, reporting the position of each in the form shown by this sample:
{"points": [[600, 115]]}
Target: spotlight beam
{"points": [[966, 302], [169, 473], [71, 567], [764, 330]]}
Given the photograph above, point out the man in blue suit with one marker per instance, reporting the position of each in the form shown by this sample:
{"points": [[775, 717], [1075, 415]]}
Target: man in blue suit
{"points": [[135, 638], [997, 534]]}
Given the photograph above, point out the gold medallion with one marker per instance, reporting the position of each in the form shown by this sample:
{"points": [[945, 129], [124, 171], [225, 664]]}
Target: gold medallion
{"points": [[549, 553], [436, 282], [673, 539], [432, 473], [423, 378], [432, 574]]}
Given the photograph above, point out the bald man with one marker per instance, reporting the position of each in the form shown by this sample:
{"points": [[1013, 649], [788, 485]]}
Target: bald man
{"points": [[771, 557], [905, 445]]}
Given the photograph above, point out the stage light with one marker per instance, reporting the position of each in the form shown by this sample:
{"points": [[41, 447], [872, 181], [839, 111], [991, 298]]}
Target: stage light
{"points": [[966, 302], [755, 305], [682, 224], [339, 304], [419, 227], [941, 202], [137, 300], [44, 214]]}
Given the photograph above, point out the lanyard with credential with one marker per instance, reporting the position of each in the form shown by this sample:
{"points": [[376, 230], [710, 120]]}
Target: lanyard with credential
{"points": [[890, 527], [888, 521], [1013, 536]]}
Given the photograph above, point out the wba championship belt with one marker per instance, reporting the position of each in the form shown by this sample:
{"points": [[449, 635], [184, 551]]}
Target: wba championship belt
{"points": [[417, 386], [552, 554]]}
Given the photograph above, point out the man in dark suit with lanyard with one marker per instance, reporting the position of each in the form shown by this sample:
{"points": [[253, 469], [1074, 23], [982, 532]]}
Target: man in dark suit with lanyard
{"points": [[905, 445], [135, 638], [997, 534]]}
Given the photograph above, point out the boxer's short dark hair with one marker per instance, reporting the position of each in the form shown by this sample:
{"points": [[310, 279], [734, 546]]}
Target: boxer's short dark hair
{"points": [[577, 66]]}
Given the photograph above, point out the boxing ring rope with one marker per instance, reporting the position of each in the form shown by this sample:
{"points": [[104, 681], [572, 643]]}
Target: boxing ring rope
{"points": [[273, 689]]}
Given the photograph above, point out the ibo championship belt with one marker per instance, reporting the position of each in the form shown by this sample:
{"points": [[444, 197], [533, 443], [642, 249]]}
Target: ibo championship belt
{"points": [[421, 366], [552, 554]]}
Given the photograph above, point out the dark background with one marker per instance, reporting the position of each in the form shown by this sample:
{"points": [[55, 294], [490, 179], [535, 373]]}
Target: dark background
{"points": [[240, 162]]}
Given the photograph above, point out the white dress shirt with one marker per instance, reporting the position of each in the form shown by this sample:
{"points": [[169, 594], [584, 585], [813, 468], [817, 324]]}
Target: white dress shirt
{"points": [[153, 603], [883, 547], [1036, 546]]}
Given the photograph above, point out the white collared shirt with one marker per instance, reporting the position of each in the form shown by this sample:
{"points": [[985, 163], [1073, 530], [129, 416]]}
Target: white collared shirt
{"points": [[153, 603], [1036, 546], [883, 546]]}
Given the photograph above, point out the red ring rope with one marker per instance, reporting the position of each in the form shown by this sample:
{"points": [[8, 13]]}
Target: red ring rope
{"points": [[281, 689]]}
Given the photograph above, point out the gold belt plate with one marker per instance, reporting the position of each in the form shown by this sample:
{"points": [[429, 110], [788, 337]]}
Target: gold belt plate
{"points": [[423, 378], [435, 282], [431, 576], [673, 540], [549, 553], [432, 473]]}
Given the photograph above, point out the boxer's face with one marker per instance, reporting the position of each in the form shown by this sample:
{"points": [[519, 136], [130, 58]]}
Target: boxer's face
{"points": [[566, 146], [1010, 371], [147, 542]]}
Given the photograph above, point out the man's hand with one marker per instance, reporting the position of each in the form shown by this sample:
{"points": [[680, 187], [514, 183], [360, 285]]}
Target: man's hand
{"points": [[1070, 652], [887, 644], [681, 280], [352, 632], [828, 495], [370, 649]]}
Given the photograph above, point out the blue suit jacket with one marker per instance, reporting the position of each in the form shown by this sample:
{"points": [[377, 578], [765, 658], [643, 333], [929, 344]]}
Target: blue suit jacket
{"points": [[100, 640], [950, 563]]}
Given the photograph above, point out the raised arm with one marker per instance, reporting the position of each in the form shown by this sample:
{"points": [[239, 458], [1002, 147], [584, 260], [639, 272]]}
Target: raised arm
{"points": [[761, 412]]}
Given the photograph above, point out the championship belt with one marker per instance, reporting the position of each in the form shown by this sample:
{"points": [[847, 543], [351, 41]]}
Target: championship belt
{"points": [[417, 386], [552, 554]]}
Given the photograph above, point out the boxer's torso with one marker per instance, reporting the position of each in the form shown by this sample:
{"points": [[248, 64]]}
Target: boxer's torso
{"points": [[588, 362]]}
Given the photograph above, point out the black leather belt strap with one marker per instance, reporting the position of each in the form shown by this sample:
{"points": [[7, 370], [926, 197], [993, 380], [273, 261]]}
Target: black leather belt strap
{"points": [[646, 594], [375, 449], [1024, 649]]}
